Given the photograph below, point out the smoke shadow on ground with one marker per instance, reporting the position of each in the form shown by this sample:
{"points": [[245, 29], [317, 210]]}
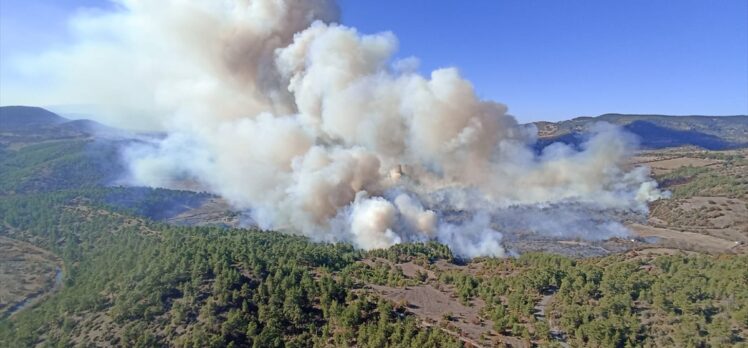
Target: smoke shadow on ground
{"points": [[154, 203], [651, 136]]}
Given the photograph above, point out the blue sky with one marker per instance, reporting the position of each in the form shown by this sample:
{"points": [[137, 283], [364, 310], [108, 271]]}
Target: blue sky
{"points": [[547, 60]]}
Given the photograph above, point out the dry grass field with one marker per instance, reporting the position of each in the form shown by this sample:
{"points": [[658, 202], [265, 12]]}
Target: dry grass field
{"points": [[26, 272], [709, 208]]}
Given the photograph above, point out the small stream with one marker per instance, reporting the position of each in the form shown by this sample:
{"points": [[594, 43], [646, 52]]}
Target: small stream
{"points": [[34, 298]]}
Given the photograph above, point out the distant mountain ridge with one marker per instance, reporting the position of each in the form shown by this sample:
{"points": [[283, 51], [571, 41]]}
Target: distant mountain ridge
{"points": [[654, 131], [29, 124], [657, 131], [15, 118]]}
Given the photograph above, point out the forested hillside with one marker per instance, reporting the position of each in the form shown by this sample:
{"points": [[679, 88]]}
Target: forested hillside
{"points": [[134, 283], [131, 280]]}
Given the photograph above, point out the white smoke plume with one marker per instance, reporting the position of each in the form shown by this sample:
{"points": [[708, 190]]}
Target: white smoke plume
{"points": [[313, 128]]}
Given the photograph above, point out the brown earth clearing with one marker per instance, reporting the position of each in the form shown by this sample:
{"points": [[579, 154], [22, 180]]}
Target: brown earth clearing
{"points": [[26, 272]]}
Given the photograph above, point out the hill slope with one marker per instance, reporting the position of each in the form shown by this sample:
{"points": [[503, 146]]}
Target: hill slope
{"points": [[23, 125], [657, 131], [14, 118], [129, 280]]}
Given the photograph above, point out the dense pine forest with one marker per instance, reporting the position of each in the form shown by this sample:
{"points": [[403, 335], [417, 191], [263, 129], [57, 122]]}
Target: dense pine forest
{"points": [[131, 280]]}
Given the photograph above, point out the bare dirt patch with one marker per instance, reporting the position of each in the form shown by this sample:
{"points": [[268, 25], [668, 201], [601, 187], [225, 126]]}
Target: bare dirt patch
{"points": [[668, 165], [683, 240], [652, 252], [709, 210], [720, 217], [25, 272], [215, 211], [434, 306], [412, 270]]}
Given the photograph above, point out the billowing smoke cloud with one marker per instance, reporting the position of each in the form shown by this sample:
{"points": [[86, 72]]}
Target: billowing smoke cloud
{"points": [[313, 128]]}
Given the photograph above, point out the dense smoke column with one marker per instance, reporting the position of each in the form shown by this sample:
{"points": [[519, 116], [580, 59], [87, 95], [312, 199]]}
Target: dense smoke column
{"points": [[313, 128]]}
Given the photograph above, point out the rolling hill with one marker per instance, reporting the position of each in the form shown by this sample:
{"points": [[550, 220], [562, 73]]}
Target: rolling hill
{"points": [[20, 118], [657, 131], [89, 264]]}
